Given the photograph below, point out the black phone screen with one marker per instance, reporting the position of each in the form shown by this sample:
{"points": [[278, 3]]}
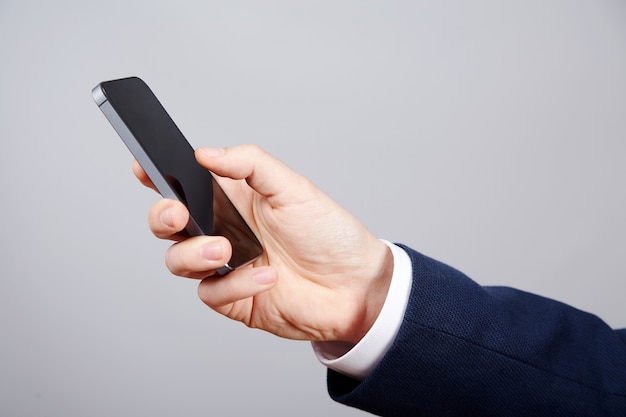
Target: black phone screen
{"points": [[168, 159]]}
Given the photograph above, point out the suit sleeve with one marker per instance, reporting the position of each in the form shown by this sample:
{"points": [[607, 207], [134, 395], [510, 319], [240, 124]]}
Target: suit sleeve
{"points": [[468, 350]]}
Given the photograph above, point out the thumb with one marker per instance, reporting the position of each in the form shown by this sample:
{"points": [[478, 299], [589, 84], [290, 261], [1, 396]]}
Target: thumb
{"points": [[264, 173]]}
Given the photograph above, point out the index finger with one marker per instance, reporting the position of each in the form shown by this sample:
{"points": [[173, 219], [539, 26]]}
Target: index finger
{"points": [[142, 176]]}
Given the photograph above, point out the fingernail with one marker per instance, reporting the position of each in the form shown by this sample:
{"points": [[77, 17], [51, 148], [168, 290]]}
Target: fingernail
{"points": [[264, 277], [166, 217], [212, 251], [213, 152]]}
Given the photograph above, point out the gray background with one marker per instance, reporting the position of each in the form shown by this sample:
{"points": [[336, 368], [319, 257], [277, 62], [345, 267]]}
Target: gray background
{"points": [[487, 134]]}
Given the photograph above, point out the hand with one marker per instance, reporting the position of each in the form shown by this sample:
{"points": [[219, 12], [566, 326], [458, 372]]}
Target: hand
{"points": [[322, 276]]}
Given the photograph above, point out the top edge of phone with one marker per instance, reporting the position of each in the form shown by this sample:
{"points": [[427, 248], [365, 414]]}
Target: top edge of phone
{"points": [[98, 95]]}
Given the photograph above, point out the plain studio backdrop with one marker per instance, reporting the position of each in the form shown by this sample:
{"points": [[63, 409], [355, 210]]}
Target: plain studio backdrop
{"points": [[490, 135]]}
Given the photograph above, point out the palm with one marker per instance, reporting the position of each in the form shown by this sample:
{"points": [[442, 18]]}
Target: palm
{"points": [[322, 275], [311, 266]]}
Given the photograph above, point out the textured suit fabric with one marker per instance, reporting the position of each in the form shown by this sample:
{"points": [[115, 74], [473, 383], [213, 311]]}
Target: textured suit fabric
{"points": [[468, 350]]}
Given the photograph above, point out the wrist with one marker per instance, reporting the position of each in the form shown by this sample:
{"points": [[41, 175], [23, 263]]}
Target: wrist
{"points": [[371, 297], [359, 360]]}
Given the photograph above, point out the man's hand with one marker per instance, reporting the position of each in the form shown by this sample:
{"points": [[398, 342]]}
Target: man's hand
{"points": [[322, 276]]}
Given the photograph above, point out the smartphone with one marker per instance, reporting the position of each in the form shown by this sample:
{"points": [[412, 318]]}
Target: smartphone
{"points": [[168, 159]]}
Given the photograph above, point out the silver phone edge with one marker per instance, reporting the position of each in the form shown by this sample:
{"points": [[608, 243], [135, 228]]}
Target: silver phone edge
{"points": [[137, 151]]}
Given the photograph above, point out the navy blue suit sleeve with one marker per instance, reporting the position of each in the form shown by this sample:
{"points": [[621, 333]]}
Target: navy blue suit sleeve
{"points": [[468, 350]]}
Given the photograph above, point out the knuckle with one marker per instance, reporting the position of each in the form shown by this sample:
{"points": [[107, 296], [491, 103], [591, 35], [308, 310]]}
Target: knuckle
{"points": [[254, 149], [174, 260]]}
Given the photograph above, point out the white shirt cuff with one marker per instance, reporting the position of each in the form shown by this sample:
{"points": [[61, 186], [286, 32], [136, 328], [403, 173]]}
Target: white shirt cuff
{"points": [[358, 361]]}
